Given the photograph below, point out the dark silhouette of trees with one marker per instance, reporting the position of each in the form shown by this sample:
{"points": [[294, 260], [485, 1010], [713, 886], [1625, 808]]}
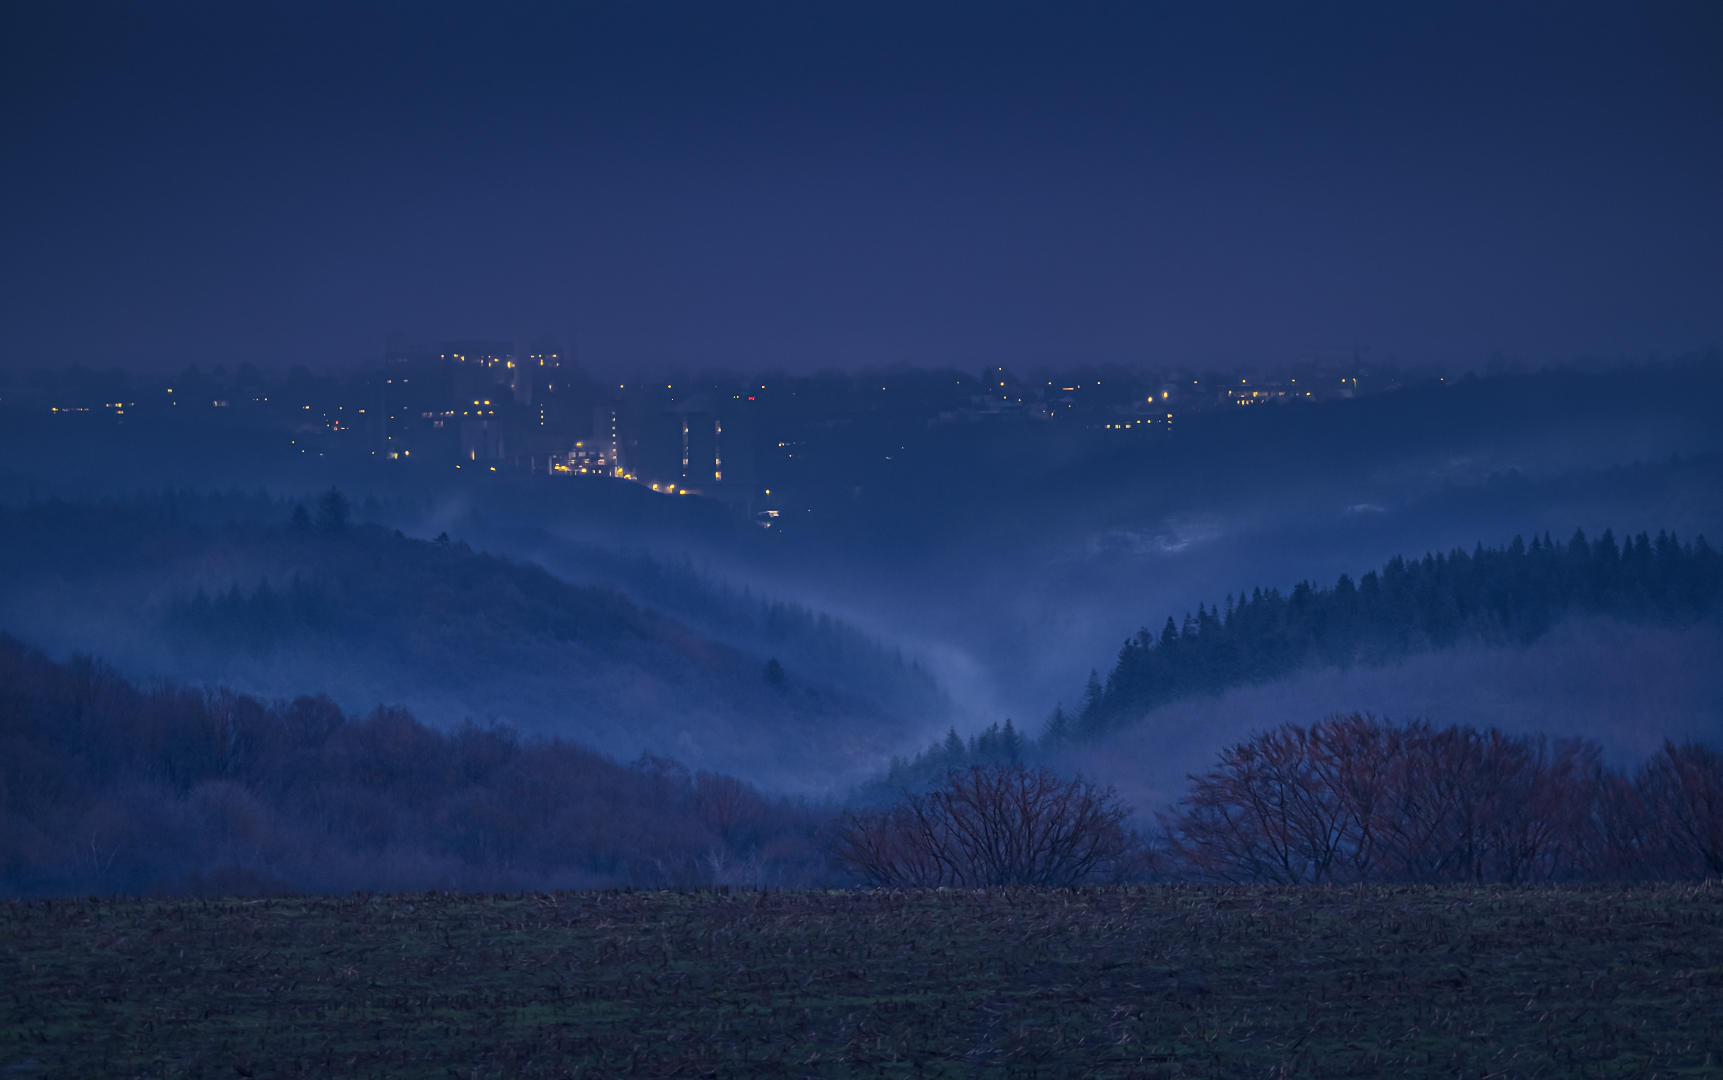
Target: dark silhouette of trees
{"points": [[995, 744], [1678, 815], [1356, 799], [990, 826], [333, 511], [1509, 595], [420, 621], [107, 786]]}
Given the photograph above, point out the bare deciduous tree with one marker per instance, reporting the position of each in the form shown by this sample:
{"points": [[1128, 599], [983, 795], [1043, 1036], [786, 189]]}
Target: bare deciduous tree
{"points": [[990, 826], [1352, 798], [1681, 798]]}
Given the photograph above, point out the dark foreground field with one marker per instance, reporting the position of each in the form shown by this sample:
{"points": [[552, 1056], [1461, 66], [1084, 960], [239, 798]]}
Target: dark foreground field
{"points": [[1097, 982]]}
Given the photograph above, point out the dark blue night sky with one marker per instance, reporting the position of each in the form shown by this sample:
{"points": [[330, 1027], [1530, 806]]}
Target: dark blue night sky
{"points": [[806, 185]]}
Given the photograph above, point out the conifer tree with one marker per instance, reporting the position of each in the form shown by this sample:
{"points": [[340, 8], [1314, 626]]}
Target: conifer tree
{"points": [[333, 510]]}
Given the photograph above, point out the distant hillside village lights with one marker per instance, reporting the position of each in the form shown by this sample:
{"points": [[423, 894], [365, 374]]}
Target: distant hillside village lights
{"points": [[490, 406]]}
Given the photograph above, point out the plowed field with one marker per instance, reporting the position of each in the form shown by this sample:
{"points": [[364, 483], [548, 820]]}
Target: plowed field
{"points": [[1110, 982]]}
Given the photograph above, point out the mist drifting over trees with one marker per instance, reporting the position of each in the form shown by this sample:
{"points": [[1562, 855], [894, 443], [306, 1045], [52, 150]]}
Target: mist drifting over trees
{"points": [[1508, 595], [941, 560], [778, 539], [108, 786]]}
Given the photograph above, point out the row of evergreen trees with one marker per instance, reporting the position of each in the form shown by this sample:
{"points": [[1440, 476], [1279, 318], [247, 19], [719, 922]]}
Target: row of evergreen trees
{"points": [[1506, 595], [995, 745], [260, 621]]}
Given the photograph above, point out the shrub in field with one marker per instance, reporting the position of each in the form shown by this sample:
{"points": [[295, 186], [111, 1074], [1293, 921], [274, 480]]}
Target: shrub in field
{"points": [[1680, 809], [1355, 799], [988, 826]]}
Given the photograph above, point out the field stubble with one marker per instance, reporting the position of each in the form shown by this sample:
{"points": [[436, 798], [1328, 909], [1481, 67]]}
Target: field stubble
{"points": [[1101, 982]]}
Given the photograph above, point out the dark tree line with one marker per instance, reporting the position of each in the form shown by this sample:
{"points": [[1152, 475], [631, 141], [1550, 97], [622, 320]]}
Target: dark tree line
{"points": [[993, 745], [1511, 594], [229, 581], [1348, 800], [258, 621], [1357, 799], [108, 786]]}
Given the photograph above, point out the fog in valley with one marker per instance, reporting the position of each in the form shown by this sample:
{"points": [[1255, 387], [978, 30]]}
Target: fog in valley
{"points": [[640, 445], [1629, 687], [922, 578]]}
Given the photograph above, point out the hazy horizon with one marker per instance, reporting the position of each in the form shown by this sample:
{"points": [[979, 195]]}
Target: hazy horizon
{"points": [[733, 402], [773, 185]]}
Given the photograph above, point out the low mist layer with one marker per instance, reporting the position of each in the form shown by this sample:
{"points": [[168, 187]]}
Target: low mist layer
{"points": [[941, 558], [371, 617], [1629, 687]]}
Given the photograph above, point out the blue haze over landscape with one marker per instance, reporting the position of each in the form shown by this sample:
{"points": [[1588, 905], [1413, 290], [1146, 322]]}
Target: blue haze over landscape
{"points": [[774, 392]]}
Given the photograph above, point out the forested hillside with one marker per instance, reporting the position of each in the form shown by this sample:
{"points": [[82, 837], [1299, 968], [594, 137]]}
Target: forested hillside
{"points": [[369, 616], [1493, 595], [811, 642], [109, 786]]}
